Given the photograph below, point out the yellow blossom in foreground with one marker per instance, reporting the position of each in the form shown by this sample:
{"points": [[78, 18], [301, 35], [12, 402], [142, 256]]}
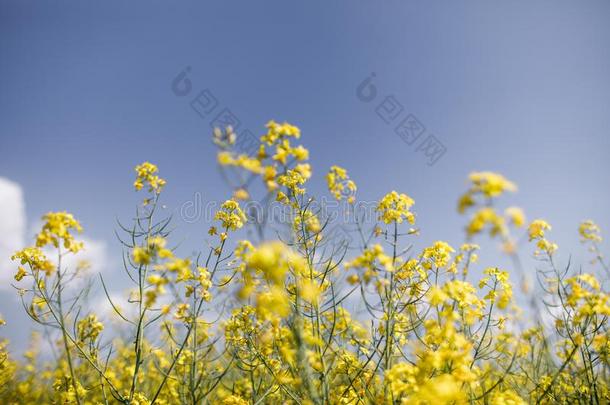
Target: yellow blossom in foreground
{"points": [[141, 255], [436, 295], [270, 323], [438, 254], [394, 207], [500, 282], [292, 180], [230, 215], [21, 273], [536, 231], [274, 260], [277, 131], [146, 175], [35, 259], [310, 290], [311, 221], [272, 303], [537, 228], [56, 230]]}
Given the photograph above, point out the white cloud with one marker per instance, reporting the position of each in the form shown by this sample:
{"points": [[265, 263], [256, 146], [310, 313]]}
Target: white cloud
{"points": [[12, 227], [13, 224]]}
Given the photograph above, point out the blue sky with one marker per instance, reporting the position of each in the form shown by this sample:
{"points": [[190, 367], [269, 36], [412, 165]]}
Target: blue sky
{"points": [[517, 87]]}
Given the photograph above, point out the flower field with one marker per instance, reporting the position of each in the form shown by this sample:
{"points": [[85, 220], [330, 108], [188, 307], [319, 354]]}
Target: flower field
{"points": [[270, 319]]}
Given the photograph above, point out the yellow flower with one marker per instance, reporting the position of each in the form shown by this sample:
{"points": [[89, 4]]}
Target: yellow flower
{"points": [[490, 184], [182, 312], [537, 228], [282, 152], [300, 153], [304, 169], [243, 161], [353, 279], [466, 201], [444, 389], [21, 273], [180, 266], [430, 336], [234, 400], [268, 174], [282, 198], [370, 261], [279, 131], [394, 207], [292, 180], [241, 194], [272, 303], [546, 246], [139, 399], [536, 231], [311, 221], [230, 215], [309, 290], [89, 328], [146, 175], [589, 231], [590, 280], [516, 216], [504, 286], [401, 379], [225, 158], [436, 295], [57, 228], [33, 257], [141, 256], [340, 185], [273, 260], [483, 217], [438, 254]]}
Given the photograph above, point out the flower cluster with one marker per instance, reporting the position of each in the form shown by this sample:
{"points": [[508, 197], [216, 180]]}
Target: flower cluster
{"points": [[146, 176], [230, 215], [56, 228], [35, 259], [536, 231], [484, 189], [371, 261], [589, 231], [301, 316], [340, 185], [395, 207], [89, 329]]}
